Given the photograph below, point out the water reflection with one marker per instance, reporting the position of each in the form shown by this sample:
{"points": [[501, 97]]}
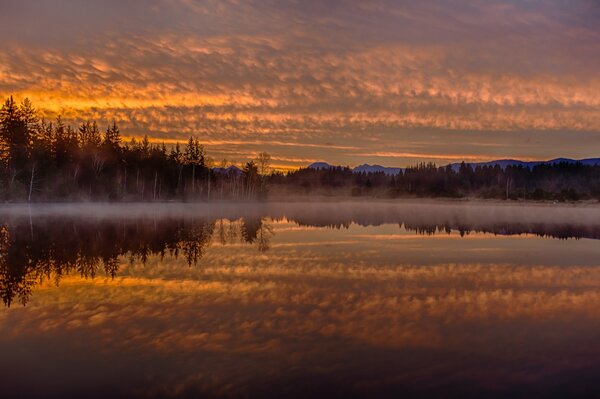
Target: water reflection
{"points": [[32, 250], [273, 304], [48, 245]]}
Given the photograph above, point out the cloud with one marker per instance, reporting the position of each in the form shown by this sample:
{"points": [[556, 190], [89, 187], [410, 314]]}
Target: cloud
{"points": [[294, 73]]}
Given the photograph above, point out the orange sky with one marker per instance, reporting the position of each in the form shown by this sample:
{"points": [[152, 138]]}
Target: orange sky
{"points": [[386, 82]]}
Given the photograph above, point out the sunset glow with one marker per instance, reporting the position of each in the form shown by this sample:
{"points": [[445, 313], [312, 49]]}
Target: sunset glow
{"points": [[385, 82]]}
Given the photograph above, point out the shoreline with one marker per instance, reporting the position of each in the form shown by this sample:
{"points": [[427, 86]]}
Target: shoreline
{"points": [[323, 206], [321, 200]]}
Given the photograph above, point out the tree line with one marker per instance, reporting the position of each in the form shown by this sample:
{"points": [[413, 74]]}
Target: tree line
{"points": [[49, 161], [42, 161], [561, 181]]}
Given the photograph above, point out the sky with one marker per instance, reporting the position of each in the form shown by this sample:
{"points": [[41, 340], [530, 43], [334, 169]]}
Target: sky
{"points": [[347, 82]]}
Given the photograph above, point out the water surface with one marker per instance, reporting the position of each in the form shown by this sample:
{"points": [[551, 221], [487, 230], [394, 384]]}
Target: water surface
{"points": [[296, 300]]}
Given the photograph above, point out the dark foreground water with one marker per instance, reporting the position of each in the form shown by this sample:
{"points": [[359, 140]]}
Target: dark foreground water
{"points": [[300, 300]]}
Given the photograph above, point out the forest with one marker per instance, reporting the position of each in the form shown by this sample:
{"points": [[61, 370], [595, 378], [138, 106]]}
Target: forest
{"points": [[54, 161], [557, 182]]}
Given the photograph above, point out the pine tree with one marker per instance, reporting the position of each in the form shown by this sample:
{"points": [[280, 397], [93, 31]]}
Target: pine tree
{"points": [[112, 137], [15, 135], [194, 156]]}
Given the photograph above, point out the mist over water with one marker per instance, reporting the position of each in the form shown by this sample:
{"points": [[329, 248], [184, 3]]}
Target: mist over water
{"points": [[422, 212], [320, 299]]}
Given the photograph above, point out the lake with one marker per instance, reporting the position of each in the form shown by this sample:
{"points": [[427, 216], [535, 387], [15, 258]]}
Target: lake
{"points": [[351, 299]]}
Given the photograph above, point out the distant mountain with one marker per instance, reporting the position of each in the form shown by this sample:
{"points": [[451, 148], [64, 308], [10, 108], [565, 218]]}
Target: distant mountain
{"points": [[320, 165], [231, 170], [589, 161], [503, 163], [366, 168]]}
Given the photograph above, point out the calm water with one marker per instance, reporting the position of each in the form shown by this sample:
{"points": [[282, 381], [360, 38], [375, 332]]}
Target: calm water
{"points": [[300, 300]]}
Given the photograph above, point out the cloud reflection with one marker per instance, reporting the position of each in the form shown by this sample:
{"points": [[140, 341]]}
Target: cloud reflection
{"points": [[341, 295]]}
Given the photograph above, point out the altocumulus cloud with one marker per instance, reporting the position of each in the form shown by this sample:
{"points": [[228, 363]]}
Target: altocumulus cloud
{"points": [[388, 77]]}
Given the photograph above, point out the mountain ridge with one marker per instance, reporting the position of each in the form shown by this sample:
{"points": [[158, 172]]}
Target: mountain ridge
{"points": [[503, 163]]}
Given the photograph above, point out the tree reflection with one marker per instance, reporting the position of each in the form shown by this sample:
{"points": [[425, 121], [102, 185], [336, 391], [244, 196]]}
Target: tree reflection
{"points": [[52, 248], [446, 224], [32, 251], [41, 248], [255, 230]]}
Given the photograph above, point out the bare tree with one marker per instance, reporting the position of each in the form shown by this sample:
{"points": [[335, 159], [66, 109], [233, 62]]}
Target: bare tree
{"points": [[209, 163], [263, 161]]}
